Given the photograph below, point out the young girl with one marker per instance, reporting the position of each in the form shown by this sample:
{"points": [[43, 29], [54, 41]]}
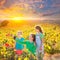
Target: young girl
{"points": [[30, 44], [18, 47], [39, 43]]}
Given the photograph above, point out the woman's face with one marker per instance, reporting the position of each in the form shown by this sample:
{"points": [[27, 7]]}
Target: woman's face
{"points": [[30, 38]]}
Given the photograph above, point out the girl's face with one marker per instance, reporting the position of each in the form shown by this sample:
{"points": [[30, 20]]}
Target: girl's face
{"points": [[30, 38], [19, 34], [37, 31]]}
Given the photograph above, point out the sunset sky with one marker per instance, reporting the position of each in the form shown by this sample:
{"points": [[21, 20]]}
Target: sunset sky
{"points": [[30, 9]]}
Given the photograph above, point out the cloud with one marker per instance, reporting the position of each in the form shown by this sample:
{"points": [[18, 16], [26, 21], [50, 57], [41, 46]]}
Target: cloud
{"points": [[17, 10], [8, 3], [56, 5], [2, 2], [42, 6], [29, 8], [37, 0]]}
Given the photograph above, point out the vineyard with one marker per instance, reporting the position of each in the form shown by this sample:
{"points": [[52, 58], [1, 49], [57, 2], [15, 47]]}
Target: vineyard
{"points": [[51, 40]]}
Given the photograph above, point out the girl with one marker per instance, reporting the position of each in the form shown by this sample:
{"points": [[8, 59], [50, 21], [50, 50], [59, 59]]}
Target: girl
{"points": [[18, 47], [39, 43], [30, 44]]}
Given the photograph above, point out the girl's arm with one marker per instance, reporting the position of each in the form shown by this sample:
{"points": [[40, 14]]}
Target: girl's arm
{"points": [[42, 40], [42, 37], [14, 37], [20, 42]]}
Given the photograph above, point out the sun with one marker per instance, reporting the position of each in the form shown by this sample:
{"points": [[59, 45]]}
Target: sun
{"points": [[24, 18], [16, 18]]}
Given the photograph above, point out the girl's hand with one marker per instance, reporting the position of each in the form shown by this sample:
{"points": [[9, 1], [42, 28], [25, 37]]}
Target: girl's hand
{"points": [[11, 35], [41, 48]]}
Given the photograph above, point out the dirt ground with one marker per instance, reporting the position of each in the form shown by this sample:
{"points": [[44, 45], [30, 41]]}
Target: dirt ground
{"points": [[52, 57]]}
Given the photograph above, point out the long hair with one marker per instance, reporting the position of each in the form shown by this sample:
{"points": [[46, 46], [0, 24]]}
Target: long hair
{"points": [[34, 37], [39, 28]]}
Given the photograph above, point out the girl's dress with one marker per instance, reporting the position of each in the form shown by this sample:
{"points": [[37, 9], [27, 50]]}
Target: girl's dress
{"points": [[39, 45], [19, 47]]}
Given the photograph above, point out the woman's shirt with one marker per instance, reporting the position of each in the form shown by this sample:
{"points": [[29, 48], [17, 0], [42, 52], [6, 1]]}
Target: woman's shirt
{"points": [[30, 46]]}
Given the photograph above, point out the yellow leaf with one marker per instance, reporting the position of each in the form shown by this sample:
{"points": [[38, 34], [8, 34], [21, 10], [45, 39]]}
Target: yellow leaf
{"points": [[26, 58], [19, 58]]}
